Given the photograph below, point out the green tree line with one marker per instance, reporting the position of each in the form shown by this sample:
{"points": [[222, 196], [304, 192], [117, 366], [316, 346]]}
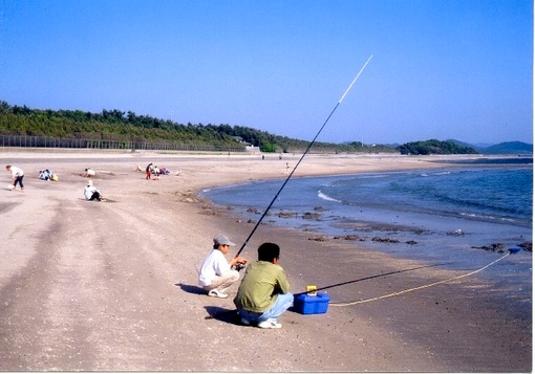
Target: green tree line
{"points": [[107, 125], [118, 125]]}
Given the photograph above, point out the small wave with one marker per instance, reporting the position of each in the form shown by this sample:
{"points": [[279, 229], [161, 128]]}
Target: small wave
{"points": [[321, 195], [206, 190], [435, 174], [484, 216], [469, 214], [371, 176], [487, 217]]}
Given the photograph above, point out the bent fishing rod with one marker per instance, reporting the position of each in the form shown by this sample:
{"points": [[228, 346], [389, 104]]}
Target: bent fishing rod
{"points": [[304, 154]]}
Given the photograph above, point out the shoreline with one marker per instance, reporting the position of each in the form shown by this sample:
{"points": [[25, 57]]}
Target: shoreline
{"points": [[275, 229], [456, 307], [384, 238], [117, 282]]}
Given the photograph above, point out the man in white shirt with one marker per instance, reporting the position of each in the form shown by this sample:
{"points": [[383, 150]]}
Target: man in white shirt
{"points": [[216, 273], [17, 175], [91, 192]]}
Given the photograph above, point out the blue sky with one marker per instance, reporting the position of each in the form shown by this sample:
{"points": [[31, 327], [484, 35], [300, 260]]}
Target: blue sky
{"points": [[441, 68]]}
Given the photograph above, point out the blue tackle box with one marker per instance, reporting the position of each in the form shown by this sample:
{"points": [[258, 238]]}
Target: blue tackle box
{"points": [[308, 304]]}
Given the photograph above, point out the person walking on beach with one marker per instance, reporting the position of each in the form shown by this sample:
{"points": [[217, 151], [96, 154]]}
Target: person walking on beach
{"points": [[91, 193], [216, 273], [17, 175], [264, 292]]}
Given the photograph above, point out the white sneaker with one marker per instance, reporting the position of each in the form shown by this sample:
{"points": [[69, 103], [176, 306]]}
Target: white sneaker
{"points": [[269, 324], [217, 293]]}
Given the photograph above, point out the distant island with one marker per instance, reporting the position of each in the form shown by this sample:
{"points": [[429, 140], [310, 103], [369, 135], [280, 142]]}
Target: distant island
{"points": [[434, 146], [508, 147], [119, 129]]}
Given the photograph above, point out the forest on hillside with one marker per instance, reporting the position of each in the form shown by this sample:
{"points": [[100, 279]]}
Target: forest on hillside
{"points": [[117, 125]]}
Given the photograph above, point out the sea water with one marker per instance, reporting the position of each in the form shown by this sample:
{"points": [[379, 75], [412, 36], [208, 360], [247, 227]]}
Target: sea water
{"points": [[455, 215]]}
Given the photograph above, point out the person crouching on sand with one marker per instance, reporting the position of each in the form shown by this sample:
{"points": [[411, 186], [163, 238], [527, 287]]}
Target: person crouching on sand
{"points": [[17, 175], [264, 292], [91, 192], [216, 273], [88, 173]]}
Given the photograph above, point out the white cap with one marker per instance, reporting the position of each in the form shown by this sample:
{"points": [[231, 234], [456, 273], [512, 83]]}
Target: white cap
{"points": [[222, 239]]}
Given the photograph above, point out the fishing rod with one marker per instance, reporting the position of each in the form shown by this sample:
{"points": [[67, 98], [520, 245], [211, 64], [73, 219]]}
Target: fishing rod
{"points": [[304, 154]]}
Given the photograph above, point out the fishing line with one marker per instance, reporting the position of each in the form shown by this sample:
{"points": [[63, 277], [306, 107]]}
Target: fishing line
{"points": [[421, 287], [304, 154], [373, 277]]}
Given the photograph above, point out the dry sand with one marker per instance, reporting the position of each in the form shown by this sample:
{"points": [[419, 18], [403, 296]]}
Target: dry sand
{"points": [[112, 286]]}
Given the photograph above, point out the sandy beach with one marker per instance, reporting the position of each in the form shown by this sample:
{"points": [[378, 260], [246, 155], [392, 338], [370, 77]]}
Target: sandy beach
{"points": [[112, 286]]}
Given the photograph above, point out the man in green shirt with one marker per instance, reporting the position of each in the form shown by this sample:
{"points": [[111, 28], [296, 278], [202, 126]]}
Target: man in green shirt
{"points": [[264, 292]]}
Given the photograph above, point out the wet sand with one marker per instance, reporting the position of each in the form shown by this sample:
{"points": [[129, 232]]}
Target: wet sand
{"points": [[112, 286]]}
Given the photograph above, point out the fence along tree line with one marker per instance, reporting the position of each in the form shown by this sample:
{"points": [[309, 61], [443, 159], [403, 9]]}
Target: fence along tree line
{"points": [[33, 141], [26, 127]]}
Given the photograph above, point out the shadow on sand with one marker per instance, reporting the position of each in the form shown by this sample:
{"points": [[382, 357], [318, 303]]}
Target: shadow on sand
{"points": [[104, 200], [191, 289], [222, 314]]}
